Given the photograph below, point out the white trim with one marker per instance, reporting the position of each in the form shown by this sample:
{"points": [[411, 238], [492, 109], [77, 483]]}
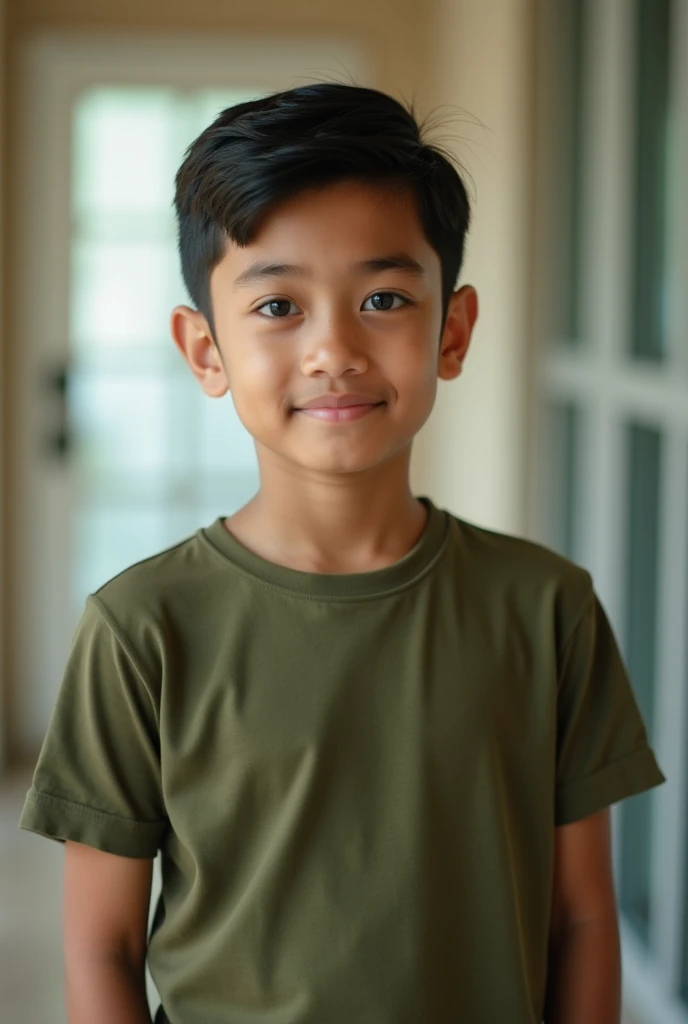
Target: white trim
{"points": [[655, 395]]}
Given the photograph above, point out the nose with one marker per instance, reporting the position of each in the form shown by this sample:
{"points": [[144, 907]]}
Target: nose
{"points": [[334, 347]]}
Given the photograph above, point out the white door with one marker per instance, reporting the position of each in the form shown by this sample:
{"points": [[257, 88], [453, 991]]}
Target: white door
{"points": [[119, 453]]}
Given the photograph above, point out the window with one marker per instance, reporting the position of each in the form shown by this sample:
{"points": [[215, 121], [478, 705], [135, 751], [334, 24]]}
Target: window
{"points": [[155, 457], [612, 441]]}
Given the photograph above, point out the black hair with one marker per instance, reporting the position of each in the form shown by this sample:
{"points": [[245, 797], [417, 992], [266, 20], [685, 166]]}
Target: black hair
{"points": [[266, 150]]}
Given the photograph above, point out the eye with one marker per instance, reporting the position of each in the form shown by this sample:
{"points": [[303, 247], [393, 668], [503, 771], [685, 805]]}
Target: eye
{"points": [[381, 301], [279, 308]]}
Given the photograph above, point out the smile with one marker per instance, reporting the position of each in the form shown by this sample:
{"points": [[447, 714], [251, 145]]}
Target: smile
{"points": [[341, 415]]}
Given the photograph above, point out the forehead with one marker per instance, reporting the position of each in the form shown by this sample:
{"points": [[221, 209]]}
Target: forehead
{"points": [[336, 229]]}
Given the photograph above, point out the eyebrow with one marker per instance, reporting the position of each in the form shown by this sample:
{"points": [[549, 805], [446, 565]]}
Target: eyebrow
{"points": [[262, 269]]}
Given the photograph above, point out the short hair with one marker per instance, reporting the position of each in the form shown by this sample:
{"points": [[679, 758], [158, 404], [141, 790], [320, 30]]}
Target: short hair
{"points": [[260, 152]]}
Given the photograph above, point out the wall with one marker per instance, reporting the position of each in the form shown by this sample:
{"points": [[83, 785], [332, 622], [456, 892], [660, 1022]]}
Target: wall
{"points": [[473, 453], [392, 30]]}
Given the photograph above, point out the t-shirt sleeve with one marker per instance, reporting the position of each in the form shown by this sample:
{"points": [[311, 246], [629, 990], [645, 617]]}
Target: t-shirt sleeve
{"points": [[97, 780], [603, 754]]}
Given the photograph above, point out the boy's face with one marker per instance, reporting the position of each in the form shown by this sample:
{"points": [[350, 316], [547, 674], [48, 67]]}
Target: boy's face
{"points": [[305, 313]]}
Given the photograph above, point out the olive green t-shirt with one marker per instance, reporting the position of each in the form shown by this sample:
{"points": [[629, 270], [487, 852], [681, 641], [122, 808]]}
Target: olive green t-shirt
{"points": [[353, 779]]}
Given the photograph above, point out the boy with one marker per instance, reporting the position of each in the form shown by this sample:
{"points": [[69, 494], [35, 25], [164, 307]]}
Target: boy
{"points": [[375, 745]]}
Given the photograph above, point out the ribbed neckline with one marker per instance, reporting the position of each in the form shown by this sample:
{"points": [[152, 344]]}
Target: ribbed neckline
{"points": [[379, 582]]}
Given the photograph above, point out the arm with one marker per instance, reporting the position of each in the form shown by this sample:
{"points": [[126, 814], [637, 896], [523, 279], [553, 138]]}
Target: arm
{"points": [[105, 919], [584, 976]]}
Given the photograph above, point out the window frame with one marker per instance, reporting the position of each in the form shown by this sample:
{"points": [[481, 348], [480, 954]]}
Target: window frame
{"points": [[612, 388]]}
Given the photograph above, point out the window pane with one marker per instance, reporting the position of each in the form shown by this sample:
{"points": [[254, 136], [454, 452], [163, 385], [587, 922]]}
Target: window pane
{"points": [[211, 102], [108, 538], [562, 441], [644, 447], [154, 457], [122, 292], [124, 149], [120, 423], [224, 442], [649, 333], [574, 209], [227, 495], [564, 27]]}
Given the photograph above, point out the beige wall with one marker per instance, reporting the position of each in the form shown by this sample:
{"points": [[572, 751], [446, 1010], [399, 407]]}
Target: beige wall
{"points": [[392, 31], [473, 454]]}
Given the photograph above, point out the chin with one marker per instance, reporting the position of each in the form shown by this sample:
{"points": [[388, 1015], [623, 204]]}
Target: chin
{"points": [[332, 462], [340, 467]]}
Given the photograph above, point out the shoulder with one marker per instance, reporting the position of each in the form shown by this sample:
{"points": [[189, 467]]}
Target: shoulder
{"points": [[521, 576], [154, 575], [150, 603]]}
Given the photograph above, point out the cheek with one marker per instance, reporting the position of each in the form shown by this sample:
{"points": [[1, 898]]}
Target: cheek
{"points": [[415, 382], [259, 378], [260, 368], [413, 367]]}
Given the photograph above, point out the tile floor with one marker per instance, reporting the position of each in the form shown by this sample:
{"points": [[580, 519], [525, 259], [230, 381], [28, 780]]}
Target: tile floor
{"points": [[30, 910]]}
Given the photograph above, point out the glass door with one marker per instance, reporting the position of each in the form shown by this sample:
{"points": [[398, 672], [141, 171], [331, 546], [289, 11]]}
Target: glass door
{"points": [[152, 457]]}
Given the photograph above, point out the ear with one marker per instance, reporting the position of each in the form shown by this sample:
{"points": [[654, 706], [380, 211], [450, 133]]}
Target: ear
{"points": [[458, 328], [192, 335]]}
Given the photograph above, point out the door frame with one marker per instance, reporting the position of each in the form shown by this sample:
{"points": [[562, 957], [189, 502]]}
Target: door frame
{"points": [[53, 68]]}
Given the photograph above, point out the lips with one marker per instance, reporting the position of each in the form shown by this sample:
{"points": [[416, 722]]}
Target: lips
{"points": [[338, 402], [339, 408]]}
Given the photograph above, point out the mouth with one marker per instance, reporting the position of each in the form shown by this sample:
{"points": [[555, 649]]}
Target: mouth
{"points": [[339, 407], [340, 414]]}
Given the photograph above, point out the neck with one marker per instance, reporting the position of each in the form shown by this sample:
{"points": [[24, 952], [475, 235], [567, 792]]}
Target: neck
{"points": [[347, 523]]}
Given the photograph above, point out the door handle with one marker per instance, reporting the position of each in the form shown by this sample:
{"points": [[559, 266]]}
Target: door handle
{"points": [[59, 440]]}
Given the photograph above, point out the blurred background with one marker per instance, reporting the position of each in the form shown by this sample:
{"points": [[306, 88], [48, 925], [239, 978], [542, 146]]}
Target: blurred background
{"points": [[569, 425]]}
